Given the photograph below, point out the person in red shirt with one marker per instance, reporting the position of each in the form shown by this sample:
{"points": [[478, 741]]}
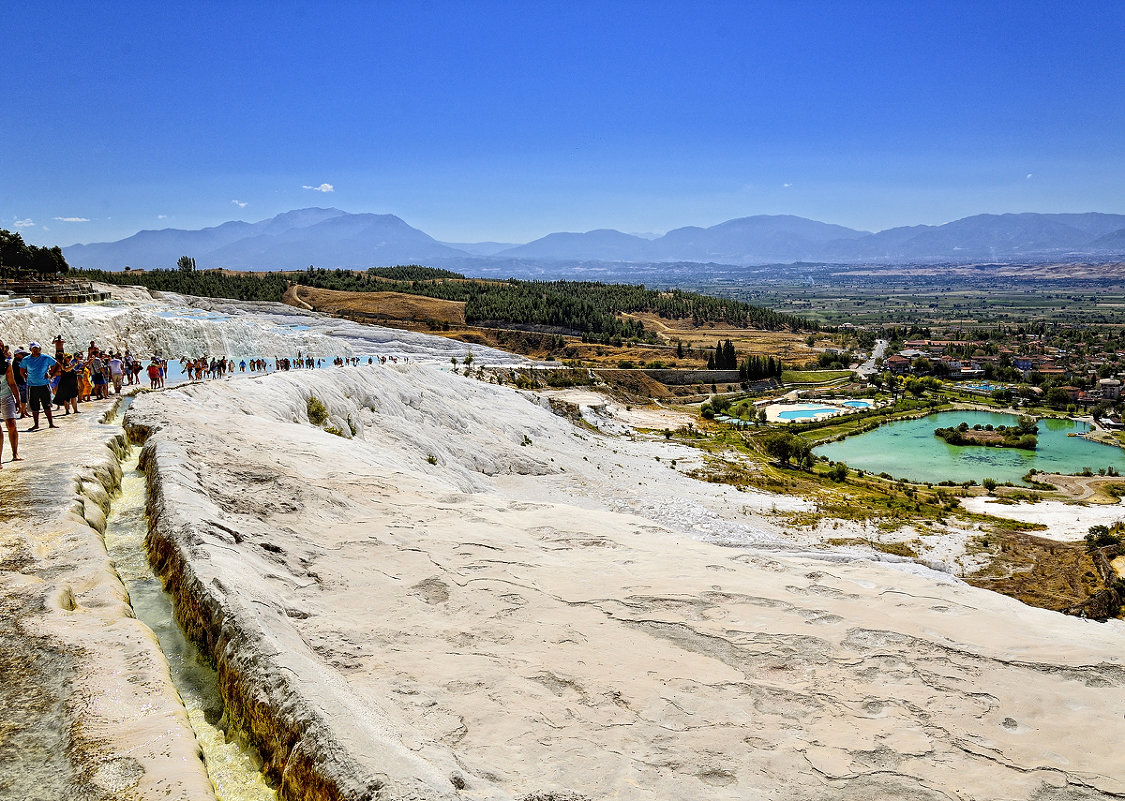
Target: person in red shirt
{"points": [[154, 374]]}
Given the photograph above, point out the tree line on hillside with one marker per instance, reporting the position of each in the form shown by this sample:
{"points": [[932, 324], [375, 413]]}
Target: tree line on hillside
{"points": [[205, 283], [586, 307], [18, 258]]}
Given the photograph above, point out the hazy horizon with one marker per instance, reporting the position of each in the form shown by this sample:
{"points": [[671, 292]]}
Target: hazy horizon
{"points": [[476, 124], [643, 235]]}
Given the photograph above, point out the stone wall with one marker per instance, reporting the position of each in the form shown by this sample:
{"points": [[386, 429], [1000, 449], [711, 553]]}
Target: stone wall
{"points": [[672, 377]]}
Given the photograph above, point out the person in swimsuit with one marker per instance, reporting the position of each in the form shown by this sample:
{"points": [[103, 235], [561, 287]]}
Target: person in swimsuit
{"points": [[9, 404]]}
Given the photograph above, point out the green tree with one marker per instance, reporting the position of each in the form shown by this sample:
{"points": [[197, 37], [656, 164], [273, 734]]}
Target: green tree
{"points": [[1058, 398], [989, 485], [60, 260], [787, 447], [730, 358], [14, 253], [48, 261], [1101, 536], [186, 264]]}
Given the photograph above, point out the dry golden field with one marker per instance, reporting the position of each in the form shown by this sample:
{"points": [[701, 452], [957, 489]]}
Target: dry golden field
{"points": [[378, 306], [447, 318]]}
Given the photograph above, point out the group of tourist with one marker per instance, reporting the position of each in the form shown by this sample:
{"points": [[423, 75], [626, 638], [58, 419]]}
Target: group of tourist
{"points": [[202, 368], [32, 382]]}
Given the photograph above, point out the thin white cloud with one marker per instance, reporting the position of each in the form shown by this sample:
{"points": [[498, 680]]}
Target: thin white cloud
{"points": [[787, 185], [26, 222], [240, 203], [162, 216], [1030, 174], [321, 188], [72, 219], [45, 228]]}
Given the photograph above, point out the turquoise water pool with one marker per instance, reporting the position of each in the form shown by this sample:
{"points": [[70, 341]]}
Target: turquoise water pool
{"points": [[803, 414], [908, 449], [983, 387], [858, 404]]}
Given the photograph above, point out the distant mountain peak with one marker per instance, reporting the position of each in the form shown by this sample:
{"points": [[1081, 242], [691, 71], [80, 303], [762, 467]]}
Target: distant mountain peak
{"points": [[329, 237]]}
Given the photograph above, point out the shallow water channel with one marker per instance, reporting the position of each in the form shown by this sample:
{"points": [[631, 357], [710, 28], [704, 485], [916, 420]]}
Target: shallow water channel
{"points": [[234, 768]]}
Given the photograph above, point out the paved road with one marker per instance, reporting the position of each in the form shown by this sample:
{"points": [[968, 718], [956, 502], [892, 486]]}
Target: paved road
{"points": [[868, 367]]}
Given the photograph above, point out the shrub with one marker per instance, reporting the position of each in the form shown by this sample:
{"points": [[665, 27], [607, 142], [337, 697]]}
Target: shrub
{"points": [[1101, 536], [318, 413]]}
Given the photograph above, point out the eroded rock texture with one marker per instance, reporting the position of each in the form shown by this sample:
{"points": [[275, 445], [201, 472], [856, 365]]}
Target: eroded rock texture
{"points": [[399, 612], [87, 707]]}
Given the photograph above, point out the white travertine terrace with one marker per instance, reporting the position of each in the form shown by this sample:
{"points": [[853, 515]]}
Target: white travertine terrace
{"points": [[422, 627], [464, 595]]}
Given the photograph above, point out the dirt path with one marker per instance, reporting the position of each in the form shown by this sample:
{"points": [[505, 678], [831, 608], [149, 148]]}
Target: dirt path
{"points": [[1091, 489], [293, 298]]}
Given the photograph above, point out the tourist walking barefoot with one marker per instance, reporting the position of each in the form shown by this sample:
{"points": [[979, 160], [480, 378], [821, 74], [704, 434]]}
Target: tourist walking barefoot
{"points": [[66, 394], [36, 368], [9, 407]]}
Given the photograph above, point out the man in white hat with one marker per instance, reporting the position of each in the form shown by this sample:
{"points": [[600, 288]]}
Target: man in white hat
{"points": [[36, 369]]}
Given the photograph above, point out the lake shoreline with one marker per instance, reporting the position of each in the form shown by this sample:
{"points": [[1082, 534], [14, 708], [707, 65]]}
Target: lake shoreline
{"points": [[907, 449]]}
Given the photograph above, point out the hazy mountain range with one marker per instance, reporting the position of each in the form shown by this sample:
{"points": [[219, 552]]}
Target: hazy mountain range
{"points": [[333, 238]]}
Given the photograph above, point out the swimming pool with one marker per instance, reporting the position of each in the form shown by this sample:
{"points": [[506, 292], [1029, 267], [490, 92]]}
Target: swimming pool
{"points": [[858, 404], [982, 386], [800, 414]]}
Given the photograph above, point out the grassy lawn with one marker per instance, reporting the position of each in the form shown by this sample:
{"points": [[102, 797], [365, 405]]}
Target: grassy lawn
{"points": [[813, 376]]}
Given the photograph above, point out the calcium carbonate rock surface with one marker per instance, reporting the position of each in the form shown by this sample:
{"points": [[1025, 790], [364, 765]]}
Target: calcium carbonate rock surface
{"points": [[87, 706], [461, 595], [175, 325]]}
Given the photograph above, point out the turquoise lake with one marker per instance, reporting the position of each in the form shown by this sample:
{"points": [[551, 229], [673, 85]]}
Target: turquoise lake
{"points": [[908, 449]]}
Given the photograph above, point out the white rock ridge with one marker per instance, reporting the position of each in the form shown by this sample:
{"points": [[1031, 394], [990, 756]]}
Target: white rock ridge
{"points": [[457, 600], [175, 325]]}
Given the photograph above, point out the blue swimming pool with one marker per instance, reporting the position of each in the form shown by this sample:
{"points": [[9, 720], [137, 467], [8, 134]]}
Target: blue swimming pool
{"points": [[982, 386], [800, 414], [858, 404]]}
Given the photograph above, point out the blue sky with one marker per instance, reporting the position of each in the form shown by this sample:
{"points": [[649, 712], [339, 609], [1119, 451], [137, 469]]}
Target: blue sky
{"points": [[506, 121]]}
